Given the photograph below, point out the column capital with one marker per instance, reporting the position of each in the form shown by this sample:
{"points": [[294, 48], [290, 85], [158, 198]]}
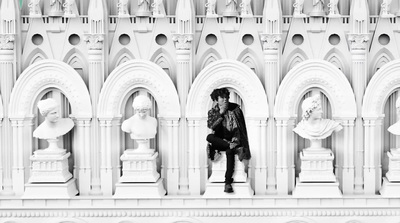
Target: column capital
{"points": [[358, 41], [94, 41], [270, 41], [7, 41], [183, 41]]}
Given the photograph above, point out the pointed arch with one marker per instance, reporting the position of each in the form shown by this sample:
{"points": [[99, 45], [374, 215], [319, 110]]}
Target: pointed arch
{"points": [[35, 56], [382, 57], [209, 56], [76, 60], [249, 57], [123, 54], [164, 60], [337, 58], [296, 57]]}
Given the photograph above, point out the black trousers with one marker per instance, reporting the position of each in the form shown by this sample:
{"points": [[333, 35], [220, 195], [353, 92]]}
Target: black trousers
{"points": [[219, 144]]}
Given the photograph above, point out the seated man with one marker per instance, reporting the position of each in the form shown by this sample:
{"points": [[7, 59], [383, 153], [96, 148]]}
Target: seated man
{"points": [[229, 133]]}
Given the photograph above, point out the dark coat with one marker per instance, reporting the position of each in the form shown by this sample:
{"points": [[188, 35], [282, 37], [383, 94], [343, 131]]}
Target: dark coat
{"points": [[214, 122]]}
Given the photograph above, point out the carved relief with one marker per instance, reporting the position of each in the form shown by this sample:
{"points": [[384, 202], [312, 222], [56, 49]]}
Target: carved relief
{"points": [[358, 41], [7, 41], [183, 41], [270, 41], [94, 41]]}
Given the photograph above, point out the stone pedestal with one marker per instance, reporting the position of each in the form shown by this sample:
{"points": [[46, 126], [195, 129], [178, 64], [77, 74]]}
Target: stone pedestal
{"points": [[317, 190], [390, 189], [140, 178], [317, 166], [216, 190], [393, 175], [219, 168], [316, 179], [50, 166], [51, 190], [50, 177], [140, 190], [139, 167]]}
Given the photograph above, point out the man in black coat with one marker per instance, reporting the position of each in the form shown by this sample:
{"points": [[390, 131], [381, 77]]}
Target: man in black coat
{"points": [[229, 133]]}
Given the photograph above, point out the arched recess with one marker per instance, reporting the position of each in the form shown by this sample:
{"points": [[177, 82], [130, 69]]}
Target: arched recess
{"points": [[36, 79], [119, 57], [383, 84], [77, 61], [382, 57], [163, 59], [209, 56], [138, 74], [249, 58], [333, 84], [294, 58], [237, 76], [35, 56], [337, 58]]}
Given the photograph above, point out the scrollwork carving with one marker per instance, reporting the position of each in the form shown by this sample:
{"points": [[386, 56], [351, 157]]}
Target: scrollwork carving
{"points": [[94, 41], [358, 41], [270, 41], [7, 41], [183, 41]]}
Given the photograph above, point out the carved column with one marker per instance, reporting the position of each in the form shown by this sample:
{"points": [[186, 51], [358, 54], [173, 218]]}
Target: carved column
{"points": [[96, 80], [358, 46], [85, 172], [348, 157], [272, 72], [282, 165], [171, 138], [18, 178], [7, 79], [106, 156], [183, 45], [194, 156]]}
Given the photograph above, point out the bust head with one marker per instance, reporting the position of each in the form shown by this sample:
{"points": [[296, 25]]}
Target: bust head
{"points": [[141, 105], [49, 108], [312, 108]]}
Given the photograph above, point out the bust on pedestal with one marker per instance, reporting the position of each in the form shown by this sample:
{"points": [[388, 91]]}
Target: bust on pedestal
{"points": [[139, 168], [391, 183], [50, 165], [316, 161]]}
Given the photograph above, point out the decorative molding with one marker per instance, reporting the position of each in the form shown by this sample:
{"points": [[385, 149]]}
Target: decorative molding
{"points": [[382, 84], [358, 41], [138, 74], [270, 41], [315, 73], [7, 41], [94, 41], [227, 73], [183, 41], [49, 74]]}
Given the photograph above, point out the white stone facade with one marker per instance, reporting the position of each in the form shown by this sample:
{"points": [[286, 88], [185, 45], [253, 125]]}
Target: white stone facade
{"points": [[96, 61]]}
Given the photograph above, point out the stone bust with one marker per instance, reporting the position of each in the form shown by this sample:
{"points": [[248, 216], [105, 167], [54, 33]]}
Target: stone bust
{"points": [[140, 125], [395, 128], [53, 126], [313, 126]]}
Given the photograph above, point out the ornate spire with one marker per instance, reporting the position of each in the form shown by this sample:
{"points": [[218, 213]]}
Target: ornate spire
{"points": [[97, 15], [359, 17], [8, 17], [185, 16], [273, 25]]}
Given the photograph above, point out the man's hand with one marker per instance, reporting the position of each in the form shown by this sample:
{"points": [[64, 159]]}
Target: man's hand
{"points": [[223, 108]]}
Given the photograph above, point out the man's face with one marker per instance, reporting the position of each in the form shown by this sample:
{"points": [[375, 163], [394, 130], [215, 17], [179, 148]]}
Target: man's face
{"points": [[223, 100], [53, 116], [142, 113], [317, 113]]}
